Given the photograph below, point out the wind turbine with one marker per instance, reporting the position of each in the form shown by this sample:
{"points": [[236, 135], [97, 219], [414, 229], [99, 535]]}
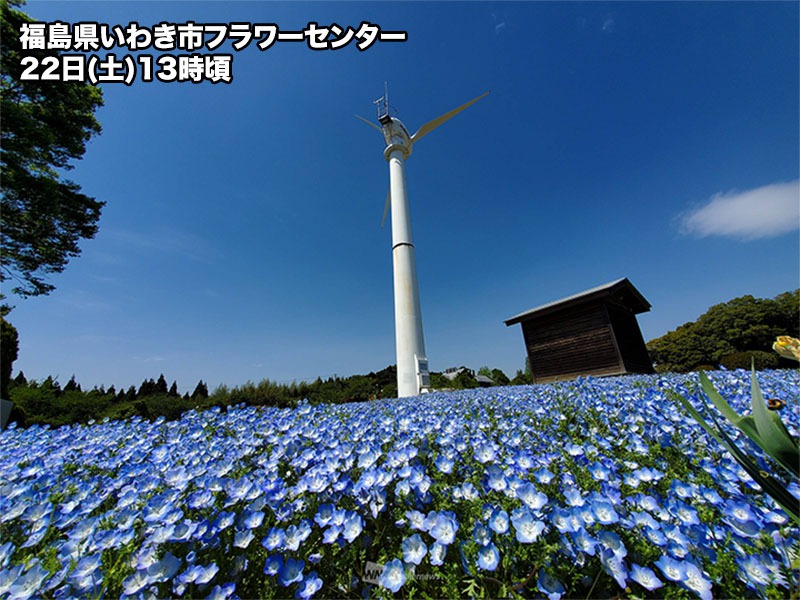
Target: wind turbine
{"points": [[413, 376]]}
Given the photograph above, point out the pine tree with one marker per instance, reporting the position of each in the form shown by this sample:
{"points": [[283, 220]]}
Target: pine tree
{"points": [[201, 391], [161, 385], [72, 385], [173, 390], [148, 388]]}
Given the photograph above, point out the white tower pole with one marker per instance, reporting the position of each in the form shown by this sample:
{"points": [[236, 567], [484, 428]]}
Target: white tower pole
{"points": [[409, 340], [412, 363]]}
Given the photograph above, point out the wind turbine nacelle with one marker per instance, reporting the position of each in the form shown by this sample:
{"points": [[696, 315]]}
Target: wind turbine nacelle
{"points": [[396, 136]]}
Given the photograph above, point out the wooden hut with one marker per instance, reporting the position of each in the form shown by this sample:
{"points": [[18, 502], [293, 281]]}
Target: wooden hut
{"points": [[591, 333]]}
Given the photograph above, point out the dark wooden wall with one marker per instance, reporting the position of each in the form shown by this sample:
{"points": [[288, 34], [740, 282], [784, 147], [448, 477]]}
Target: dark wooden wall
{"points": [[571, 342], [629, 340], [594, 338]]}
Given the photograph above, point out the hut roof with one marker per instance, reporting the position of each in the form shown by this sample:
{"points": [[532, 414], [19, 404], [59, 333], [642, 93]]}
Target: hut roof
{"points": [[620, 291]]}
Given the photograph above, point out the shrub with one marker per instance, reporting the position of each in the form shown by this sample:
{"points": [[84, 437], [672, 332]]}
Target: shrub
{"points": [[744, 360]]}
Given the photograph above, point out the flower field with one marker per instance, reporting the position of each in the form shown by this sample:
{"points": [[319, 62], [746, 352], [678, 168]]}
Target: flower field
{"points": [[590, 488]]}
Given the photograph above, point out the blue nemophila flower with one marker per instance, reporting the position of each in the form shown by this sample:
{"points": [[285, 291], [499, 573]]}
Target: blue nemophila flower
{"points": [[613, 542], [549, 585], [656, 536], [252, 519], [696, 581], [604, 512], [9, 576], [485, 453], [584, 541], [674, 570], [466, 492], [544, 475], [414, 549], [488, 557], [599, 472], [573, 496], [237, 490], [224, 520], [331, 534], [481, 534], [498, 521], [200, 499], [6, 550], [297, 534], [393, 576], [28, 584], [324, 514], [352, 526], [199, 574], [531, 497], [291, 571], [34, 537], [496, 479], [222, 592], [87, 565], [310, 585], [416, 519], [528, 529], [444, 528], [444, 464], [273, 565], [644, 519], [164, 569], [242, 539], [274, 539], [740, 511], [645, 577], [614, 565], [753, 570], [136, 582], [437, 553]]}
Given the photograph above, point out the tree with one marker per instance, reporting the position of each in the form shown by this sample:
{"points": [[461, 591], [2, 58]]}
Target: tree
{"points": [[46, 125], [9, 348], [520, 378], [744, 324], [148, 388], [161, 385], [173, 390], [72, 385], [200, 391], [499, 377]]}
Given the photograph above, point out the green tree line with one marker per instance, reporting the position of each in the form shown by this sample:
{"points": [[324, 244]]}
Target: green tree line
{"points": [[48, 402], [731, 335]]}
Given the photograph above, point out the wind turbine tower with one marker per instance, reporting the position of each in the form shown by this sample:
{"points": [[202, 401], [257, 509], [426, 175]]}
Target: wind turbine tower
{"points": [[413, 376]]}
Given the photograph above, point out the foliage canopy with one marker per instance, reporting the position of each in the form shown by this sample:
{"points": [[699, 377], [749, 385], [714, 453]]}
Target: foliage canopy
{"points": [[744, 324], [46, 125]]}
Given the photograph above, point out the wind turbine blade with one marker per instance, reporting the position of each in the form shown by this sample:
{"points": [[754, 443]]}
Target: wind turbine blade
{"points": [[370, 123], [431, 125], [386, 208]]}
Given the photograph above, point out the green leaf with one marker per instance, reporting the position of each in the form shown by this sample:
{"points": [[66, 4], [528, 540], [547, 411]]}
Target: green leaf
{"points": [[775, 439], [745, 424], [769, 484]]}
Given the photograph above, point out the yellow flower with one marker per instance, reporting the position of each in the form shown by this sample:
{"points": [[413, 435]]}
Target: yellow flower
{"points": [[787, 347]]}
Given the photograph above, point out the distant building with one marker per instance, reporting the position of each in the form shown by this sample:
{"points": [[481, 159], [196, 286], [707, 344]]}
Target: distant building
{"points": [[454, 372], [484, 381], [591, 333]]}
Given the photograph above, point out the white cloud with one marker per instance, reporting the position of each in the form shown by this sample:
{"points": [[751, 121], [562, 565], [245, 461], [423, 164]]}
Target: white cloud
{"points": [[763, 212]]}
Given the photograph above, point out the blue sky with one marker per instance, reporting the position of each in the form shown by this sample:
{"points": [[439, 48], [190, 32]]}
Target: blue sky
{"points": [[241, 237]]}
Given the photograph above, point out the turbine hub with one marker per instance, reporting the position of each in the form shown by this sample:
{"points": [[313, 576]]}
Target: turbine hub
{"points": [[397, 137]]}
